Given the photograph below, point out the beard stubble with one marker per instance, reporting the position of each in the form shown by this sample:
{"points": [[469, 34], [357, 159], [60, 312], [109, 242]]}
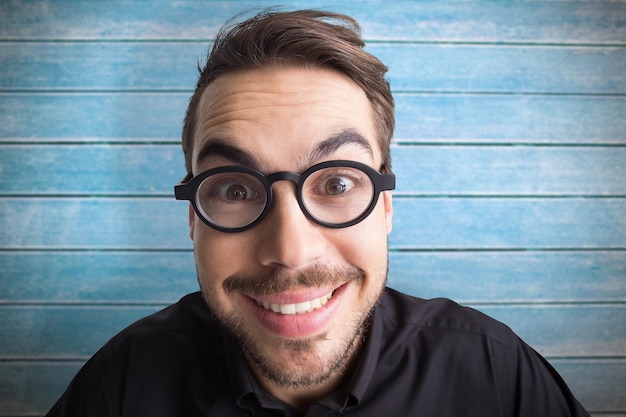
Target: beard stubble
{"points": [[303, 363]]}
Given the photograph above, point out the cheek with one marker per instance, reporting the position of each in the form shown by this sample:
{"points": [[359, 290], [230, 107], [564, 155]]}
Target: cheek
{"points": [[365, 244], [218, 255]]}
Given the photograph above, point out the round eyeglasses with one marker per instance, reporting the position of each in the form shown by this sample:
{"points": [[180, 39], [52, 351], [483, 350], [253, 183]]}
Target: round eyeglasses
{"points": [[333, 194]]}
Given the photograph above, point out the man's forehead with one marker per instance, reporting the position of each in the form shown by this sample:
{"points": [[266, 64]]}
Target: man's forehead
{"points": [[279, 86], [308, 110]]}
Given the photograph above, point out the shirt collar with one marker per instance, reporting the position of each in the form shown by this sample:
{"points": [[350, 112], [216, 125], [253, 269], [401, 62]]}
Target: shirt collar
{"points": [[352, 394], [243, 383]]}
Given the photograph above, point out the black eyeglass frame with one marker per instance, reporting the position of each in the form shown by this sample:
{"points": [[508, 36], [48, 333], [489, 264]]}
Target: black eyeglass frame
{"points": [[189, 190]]}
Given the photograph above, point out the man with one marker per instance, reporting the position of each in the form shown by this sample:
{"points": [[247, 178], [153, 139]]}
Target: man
{"points": [[286, 142]]}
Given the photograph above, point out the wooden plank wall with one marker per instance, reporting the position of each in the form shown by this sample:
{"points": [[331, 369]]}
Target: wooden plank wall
{"points": [[510, 154]]}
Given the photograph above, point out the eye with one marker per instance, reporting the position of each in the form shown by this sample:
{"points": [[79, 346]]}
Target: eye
{"points": [[237, 192], [333, 182], [232, 188], [336, 186]]}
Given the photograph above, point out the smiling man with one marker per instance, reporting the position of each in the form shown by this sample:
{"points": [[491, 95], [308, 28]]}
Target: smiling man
{"points": [[286, 142], [284, 158]]}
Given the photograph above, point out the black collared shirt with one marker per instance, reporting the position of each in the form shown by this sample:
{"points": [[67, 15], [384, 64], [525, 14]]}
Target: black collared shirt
{"points": [[422, 358]]}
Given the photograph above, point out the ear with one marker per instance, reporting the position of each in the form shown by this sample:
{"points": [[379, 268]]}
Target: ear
{"points": [[388, 210], [192, 221]]}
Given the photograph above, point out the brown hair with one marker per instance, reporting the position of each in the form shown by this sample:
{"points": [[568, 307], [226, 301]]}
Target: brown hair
{"points": [[308, 38]]}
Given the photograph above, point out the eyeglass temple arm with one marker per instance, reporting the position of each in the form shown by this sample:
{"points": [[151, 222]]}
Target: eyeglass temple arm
{"points": [[387, 182]]}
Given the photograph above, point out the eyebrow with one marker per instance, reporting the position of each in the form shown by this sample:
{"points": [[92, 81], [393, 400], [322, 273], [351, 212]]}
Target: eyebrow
{"points": [[220, 148], [344, 138]]}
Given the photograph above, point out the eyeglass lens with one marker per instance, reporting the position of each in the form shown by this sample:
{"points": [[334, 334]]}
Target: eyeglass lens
{"points": [[333, 195]]}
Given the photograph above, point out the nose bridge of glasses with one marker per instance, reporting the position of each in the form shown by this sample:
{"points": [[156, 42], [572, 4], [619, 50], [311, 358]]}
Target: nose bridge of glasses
{"points": [[284, 176]]}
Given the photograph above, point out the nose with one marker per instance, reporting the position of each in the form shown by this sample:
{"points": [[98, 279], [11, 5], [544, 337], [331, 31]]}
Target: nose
{"points": [[287, 238]]}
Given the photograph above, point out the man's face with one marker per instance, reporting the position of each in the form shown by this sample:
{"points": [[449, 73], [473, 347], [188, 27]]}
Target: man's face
{"points": [[288, 119]]}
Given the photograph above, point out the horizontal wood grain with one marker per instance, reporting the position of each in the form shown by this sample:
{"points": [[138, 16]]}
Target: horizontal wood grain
{"points": [[503, 68], [143, 169], [510, 153], [597, 383], [97, 66], [511, 277], [419, 223], [420, 170], [467, 277], [163, 66], [31, 388], [110, 116], [96, 223], [91, 169], [544, 22], [509, 170], [510, 118], [566, 330], [63, 332], [491, 223], [419, 117], [96, 277]]}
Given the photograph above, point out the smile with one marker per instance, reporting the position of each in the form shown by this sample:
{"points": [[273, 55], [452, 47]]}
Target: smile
{"points": [[303, 307], [298, 313]]}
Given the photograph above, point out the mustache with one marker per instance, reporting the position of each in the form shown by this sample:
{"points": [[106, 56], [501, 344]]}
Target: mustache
{"points": [[277, 281]]}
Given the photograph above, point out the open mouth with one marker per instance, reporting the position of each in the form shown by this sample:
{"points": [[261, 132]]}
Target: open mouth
{"points": [[303, 307], [297, 313]]}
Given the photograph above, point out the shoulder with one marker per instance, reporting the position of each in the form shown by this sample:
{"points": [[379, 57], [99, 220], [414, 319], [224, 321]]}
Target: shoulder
{"points": [[189, 315], [442, 318], [183, 324], [438, 350], [165, 355]]}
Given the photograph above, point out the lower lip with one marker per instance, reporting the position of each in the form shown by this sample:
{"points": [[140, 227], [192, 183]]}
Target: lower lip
{"points": [[296, 326]]}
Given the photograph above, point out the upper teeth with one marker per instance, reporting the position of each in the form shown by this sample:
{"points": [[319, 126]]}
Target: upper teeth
{"points": [[298, 308]]}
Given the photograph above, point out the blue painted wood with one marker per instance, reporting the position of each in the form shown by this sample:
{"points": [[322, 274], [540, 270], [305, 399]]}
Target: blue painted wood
{"points": [[474, 213], [509, 170], [96, 277], [30, 388], [36, 334], [601, 389], [94, 223], [510, 119], [425, 223], [420, 170], [504, 68], [501, 223], [468, 277], [158, 66], [98, 66], [517, 22], [566, 330], [146, 169], [420, 117], [85, 117], [511, 277]]}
